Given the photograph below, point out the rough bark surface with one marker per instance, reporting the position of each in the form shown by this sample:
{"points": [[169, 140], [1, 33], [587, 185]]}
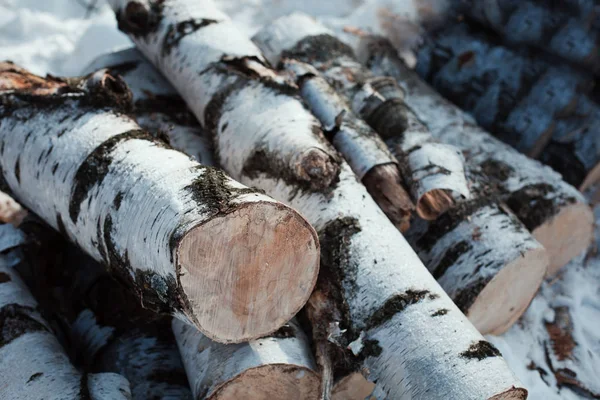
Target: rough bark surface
{"points": [[554, 27], [71, 153], [433, 172], [33, 365], [537, 195], [516, 96]]}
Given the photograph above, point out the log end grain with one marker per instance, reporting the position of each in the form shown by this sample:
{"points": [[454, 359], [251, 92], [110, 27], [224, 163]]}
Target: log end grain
{"points": [[512, 394], [248, 272], [566, 235], [271, 382], [353, 387], [504, 299], [434, 203], [384, 184]]}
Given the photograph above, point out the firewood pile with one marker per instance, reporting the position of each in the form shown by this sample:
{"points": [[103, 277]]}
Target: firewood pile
{"points": [[212, 216]]}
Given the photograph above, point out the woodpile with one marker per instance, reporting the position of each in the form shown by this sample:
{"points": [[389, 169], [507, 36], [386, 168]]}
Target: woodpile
{"points": [[210, 216]]}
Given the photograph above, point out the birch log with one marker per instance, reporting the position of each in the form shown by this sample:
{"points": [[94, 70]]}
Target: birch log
{"points": [[575, 147], [434, 172], [541, 25], [385, 291], [33, 365], [83, 165], [280, 366], [556, 213], [516, 96]]}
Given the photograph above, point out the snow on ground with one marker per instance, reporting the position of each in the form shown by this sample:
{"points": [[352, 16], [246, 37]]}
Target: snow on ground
{"points": [[62, 36]]}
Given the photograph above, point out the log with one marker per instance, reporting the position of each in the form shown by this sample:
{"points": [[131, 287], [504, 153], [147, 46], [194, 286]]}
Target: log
{"points": [[575, 147], [433, 172], [278, 366], [375, 278], [85, 167], [553, 29], [518, 97], [552, 210], [33, 365], [11, 212]]}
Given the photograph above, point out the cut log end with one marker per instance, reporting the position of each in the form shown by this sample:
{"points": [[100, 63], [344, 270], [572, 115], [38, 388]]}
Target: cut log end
{"points": [[508, 294], [271, 382], [11, 212], [511, 394], [318, 168], [248, 272], [353, 387], [434, 203], [567, 235], [383, 183]]}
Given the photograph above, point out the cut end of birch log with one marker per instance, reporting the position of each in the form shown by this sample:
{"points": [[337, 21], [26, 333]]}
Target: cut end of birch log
{"points": [[11, 212], [229, 259], [353, 387]]}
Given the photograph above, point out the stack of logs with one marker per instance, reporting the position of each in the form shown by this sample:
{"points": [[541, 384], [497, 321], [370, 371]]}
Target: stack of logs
{"points": [[350, 194]]}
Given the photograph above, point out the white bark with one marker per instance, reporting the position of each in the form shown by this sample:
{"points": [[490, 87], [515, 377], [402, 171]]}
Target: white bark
{"points": [[547, 206], [33, 365], [382, 276], [549, 28], [158, 107], [213, 66], [108, 386], [427, 166], [516, 96], [278, 366], [87, 171]]}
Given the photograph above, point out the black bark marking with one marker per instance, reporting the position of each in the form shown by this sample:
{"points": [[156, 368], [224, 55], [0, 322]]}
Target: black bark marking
{"points": [[395, 305], [481, 350], [54, 168], [496, 169], [531, 205], [176, 32], [4, 277], [35, 376], [138, 20], [18, 169], [170, 105], [390, 119], [60, 225], [371, 348], [15, 321], [318, 49], [465, 298], [95, 167], [440, 312], [118, 199], [450, 256]]}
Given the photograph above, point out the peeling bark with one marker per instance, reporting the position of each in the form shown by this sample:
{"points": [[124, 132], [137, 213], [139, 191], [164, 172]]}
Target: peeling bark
{"points": [[75, 158], [33, 365], [516, 96], [556, 29], [432, 171], [555, 212]]}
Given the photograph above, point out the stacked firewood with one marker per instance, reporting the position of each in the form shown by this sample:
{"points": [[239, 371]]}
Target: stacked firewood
{"points": [[188, 198]]}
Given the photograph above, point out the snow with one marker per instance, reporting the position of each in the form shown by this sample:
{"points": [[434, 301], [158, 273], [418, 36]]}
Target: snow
{"points": [[62, 36]]}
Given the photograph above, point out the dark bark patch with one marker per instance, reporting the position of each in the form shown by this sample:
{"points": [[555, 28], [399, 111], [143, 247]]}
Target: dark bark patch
{"points": [[389, 119], [54, 168], [395, 305], [318, 49], [496, 170], [4, 277], [481, 350], [35, 376], [531, 205], [286, 331], [15, 321], [371, 348], [562, 157], [170, 105], [95, 167], [176, 32], [440, 312], [450, 257], [118, 199], [465, 298]]}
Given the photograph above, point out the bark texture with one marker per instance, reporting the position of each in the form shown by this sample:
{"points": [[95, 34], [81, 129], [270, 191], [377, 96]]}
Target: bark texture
{"points": [[278, 366], [33, 365], [433, 172], [556, 28], [547, 206], [70, 152], [515, 95]]}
